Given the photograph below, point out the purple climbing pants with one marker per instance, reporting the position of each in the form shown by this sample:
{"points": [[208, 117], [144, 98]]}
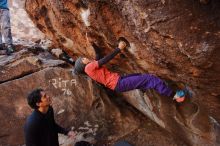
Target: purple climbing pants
{"points": [[143, 82]]}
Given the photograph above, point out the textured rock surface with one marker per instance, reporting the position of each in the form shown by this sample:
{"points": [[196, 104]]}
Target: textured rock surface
{"points": [[176, 40], [23, 29], [92, 113]]}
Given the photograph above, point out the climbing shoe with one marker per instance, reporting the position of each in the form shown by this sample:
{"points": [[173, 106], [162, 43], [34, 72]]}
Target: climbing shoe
{"points": [[9, 50], [179, 96]]}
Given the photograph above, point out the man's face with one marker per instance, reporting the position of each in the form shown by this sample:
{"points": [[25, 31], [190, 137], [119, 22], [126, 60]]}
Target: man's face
{"points": [[45, 100], [86, 60]]}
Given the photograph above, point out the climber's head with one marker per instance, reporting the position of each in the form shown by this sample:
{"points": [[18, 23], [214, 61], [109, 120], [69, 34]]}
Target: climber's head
{"points": [[38, 99], [80, 65]]}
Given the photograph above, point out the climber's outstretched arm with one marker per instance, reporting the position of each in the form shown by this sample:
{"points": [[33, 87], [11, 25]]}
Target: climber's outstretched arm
{"points": [[107, 58], [97, 50]]}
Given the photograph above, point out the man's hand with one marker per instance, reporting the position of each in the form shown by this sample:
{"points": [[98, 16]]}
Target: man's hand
{"points": [[122, 45], [71, 134]]}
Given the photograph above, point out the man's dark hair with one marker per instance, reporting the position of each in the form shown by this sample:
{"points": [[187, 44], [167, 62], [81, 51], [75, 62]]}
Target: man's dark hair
{"points": [[34, 97]]}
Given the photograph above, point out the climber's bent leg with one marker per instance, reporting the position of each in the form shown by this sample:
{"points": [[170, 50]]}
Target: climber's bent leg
{"points": [[144, 82]]}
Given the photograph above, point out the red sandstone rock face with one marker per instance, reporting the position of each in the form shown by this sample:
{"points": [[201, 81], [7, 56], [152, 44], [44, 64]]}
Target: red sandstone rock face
{"points": [[176, 40], [78, 102]]}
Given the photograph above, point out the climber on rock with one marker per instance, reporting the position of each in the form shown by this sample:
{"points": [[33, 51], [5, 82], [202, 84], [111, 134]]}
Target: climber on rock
{"points": [[96, 70]]}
